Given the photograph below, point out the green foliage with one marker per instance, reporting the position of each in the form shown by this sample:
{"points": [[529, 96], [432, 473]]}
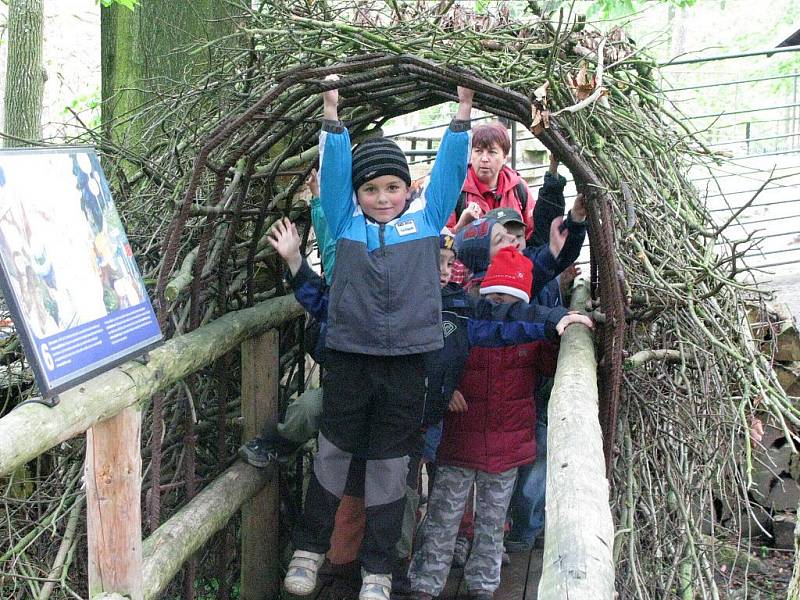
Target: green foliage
{"points": [[129, 4], [618, 9], [481, 6], [613, 9], [87, 107]]}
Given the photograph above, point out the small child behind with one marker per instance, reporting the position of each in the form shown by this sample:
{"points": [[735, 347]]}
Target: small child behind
{"points": [[486, 457]]}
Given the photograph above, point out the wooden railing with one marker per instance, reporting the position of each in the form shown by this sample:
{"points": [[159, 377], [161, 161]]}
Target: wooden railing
{"points": [[579, 531], [109, 407]]}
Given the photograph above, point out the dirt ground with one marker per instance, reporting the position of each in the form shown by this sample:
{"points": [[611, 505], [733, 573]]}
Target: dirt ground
{"points": [[767, 577]]}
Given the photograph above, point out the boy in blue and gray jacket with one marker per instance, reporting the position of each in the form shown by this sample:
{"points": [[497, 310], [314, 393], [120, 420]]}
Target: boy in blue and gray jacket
{"points": [[384, 315]]}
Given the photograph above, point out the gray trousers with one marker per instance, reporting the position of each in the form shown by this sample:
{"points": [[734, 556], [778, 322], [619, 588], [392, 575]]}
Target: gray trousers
{"points": [[430, 564], [301, 423]]}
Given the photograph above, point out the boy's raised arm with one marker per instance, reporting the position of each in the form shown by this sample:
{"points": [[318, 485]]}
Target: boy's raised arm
{"points": [[450, 168], [335, 165], [566, 240]]}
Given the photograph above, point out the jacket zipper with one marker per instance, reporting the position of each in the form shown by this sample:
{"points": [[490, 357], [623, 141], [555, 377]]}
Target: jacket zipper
{"points": [[386, 333]]}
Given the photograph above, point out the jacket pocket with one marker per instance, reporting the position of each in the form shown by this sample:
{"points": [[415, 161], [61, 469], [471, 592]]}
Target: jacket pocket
{"points": [[338, 308]]}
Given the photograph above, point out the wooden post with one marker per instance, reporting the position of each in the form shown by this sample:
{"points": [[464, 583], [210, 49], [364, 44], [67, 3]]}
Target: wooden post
{"points": [[579, 531], [113, 505], [260, 576]]}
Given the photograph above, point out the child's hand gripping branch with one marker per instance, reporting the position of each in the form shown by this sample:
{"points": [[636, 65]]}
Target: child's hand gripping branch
{"points": [[284, 238], [330, 101], [570, 319], [465, 96]]}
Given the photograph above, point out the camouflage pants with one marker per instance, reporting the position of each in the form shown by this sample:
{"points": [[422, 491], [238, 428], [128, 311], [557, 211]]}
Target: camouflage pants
{"points": [[430, 564]]}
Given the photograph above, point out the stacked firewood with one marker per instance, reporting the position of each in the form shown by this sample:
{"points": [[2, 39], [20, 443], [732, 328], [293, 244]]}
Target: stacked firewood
{"points": [[776, 467]]}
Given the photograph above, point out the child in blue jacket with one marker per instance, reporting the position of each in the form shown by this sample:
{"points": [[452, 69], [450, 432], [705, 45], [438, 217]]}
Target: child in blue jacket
{"points": [[465, 322], [384, 314]]}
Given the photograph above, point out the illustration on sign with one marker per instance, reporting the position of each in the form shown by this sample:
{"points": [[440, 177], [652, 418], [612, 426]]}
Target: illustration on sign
{"points": [[69, 276]]}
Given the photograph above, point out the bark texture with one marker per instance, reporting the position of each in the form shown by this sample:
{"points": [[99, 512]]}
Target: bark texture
{"points": [[145, 52], [579, 532], [25, 75]]}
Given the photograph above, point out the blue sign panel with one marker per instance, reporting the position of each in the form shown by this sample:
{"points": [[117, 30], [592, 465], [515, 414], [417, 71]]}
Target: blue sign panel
{"points": [[68, 272]]}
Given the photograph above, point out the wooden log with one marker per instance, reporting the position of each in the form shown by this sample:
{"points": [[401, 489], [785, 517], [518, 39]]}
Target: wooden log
{"points": [[579, 532], [789, 377], [113, 477], [31, 429], [261, 572], [171, 545], [786, 334]]}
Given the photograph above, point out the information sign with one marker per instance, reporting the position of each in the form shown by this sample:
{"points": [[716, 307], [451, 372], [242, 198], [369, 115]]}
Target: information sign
{"points": [[69, 276]]}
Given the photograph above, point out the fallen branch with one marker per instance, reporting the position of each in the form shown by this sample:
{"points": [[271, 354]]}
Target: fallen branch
{"points": [[643, 357]]}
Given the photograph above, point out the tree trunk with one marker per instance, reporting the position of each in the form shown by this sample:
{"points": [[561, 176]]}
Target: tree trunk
{"points": [[25, 74], [142, 57]]}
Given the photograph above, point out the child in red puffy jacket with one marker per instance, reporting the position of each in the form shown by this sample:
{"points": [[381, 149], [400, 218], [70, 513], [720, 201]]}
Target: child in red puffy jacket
{"points": [[484, 441]]}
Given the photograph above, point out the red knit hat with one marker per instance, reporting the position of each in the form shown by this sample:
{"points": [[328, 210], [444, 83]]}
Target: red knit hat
{"points": [[509, 273]]}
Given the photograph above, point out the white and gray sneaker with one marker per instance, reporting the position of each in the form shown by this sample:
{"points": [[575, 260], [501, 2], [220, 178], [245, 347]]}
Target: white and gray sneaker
{"points": [[375, 587], [301, 576]]}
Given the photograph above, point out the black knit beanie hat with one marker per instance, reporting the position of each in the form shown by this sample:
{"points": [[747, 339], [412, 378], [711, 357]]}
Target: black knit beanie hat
{"points": [[376, 157]]}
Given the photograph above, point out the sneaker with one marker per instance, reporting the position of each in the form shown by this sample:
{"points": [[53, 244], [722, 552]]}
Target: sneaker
{"points": [[301, 576], [460, 552], [261, 451], [375, 586], [258, 453]]}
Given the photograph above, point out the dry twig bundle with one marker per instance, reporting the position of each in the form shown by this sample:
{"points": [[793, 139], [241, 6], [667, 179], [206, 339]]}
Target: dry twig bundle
{"points": [[681, 376]]}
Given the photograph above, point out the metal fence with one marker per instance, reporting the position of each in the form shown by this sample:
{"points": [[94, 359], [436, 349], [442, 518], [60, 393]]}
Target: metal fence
{"points": [[745, 108]]}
